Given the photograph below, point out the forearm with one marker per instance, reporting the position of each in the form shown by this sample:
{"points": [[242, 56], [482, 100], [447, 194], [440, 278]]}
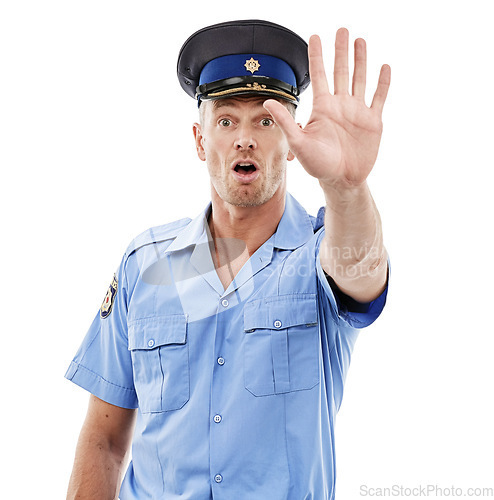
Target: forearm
{"points": [[97, 471], [352, 251]]}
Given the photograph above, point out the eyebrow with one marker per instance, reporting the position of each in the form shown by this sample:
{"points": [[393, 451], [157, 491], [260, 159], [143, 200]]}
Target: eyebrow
{"points": [[219, 103]]}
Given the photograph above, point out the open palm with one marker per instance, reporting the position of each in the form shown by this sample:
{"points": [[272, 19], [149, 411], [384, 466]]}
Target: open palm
{"points": [[340, 142]]}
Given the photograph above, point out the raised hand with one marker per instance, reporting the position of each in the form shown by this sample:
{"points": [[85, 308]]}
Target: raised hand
{"points": [[340, 142]]}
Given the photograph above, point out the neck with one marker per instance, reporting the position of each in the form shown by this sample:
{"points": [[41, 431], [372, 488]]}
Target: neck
{"points": [[252, 225]]}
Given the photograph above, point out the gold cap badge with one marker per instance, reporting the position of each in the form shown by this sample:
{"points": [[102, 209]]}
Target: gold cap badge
{"points": [[252, 65]]}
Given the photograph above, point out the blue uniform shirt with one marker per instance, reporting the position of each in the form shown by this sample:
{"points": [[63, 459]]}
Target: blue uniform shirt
{"points": [[237, 389]]}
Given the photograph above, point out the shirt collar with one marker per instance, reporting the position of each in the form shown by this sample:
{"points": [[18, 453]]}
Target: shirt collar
{"points": [[195, 232], [295, 228]]}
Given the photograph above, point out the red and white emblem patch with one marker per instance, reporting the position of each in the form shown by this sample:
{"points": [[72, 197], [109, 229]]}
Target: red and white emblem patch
{"points": [[109, 299]]}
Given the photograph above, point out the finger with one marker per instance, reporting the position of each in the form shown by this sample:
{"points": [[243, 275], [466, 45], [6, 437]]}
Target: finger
{"points": [[283, 119], [382, 88], [316, 67], [359, 73], [341, 62]]}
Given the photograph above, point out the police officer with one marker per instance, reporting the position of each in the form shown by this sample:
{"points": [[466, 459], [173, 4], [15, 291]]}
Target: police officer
{"points": [[221, 347]]}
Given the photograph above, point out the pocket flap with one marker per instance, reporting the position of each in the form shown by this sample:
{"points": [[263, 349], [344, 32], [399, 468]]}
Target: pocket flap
{"points": [[281, 311], [149, 333]]}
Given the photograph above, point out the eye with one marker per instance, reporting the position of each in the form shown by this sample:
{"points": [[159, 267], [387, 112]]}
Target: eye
{"points": [[225, 122], [266, 122]]}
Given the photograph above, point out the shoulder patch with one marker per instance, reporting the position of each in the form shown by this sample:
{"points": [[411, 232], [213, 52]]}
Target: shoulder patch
{"points": [[107, 305], [157, 233]]}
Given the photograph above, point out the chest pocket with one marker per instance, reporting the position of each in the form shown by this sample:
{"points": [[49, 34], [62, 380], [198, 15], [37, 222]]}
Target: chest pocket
{"points": [[281, 345], [160, 358]]}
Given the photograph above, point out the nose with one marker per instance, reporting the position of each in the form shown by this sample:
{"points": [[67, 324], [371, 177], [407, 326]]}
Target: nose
{"points": [[245, 139]]}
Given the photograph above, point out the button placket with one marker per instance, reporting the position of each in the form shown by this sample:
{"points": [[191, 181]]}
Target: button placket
{"points": [[217, 431]]}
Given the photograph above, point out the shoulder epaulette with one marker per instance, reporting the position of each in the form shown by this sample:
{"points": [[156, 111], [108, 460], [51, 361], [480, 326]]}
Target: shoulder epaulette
{"points": [[156, 234]]}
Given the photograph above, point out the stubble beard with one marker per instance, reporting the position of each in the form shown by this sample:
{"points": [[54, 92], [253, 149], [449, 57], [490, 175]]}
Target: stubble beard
{"points": [[249, 195]]}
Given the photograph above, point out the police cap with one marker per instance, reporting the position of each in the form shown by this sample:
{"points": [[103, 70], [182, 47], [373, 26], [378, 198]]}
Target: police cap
{"points": [[244, 57]]}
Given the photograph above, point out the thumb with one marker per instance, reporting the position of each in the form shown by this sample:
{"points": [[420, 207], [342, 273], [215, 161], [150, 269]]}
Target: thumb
{"points": [[283, 119]]}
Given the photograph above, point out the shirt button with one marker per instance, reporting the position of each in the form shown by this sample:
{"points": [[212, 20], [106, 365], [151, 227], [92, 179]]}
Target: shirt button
{"points": [[221, 361], [151, 343], [218, 478], [224, 303], [277, 324], [217, 418]]}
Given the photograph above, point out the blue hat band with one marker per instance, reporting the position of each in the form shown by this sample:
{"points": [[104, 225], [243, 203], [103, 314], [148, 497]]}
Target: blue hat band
{"points": [[238, 65]]}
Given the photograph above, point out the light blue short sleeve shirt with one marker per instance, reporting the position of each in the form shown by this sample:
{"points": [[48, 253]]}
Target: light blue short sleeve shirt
{"points": [[237, 389]]}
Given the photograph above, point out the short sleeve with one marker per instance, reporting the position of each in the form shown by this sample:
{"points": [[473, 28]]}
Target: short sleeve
{"points": [[103, 363], [353, 313]]}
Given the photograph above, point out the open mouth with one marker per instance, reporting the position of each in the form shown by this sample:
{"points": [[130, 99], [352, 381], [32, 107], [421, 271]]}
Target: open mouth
{"points": [[245, 172], [245, 168]]}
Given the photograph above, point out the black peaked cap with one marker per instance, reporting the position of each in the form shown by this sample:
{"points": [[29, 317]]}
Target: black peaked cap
{"points": [[242, 37]]}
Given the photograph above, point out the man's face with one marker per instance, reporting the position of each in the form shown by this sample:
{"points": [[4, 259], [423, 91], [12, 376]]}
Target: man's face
{"points": [[245, 151]]}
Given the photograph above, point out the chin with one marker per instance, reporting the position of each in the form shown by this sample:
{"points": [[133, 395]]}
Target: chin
{"points": [[248, 198], [248, 195], [245, 202]]}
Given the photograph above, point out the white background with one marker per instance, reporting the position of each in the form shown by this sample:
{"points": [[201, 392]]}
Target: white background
{"points": [[96, 146]]}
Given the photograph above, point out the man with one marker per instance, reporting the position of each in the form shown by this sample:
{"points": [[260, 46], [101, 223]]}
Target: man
{"points": [[232, 333]]}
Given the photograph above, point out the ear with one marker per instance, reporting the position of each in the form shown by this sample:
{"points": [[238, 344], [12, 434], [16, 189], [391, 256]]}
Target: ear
{"points": [[199, 140]]}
